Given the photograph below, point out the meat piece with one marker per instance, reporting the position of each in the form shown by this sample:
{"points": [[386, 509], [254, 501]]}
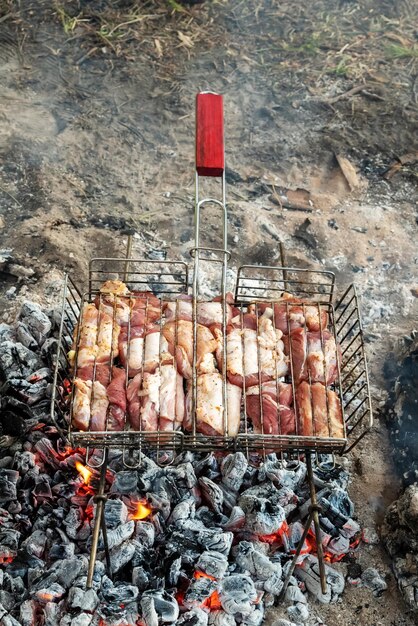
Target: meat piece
{"points": [[115, 287], [319, 411], [146, 308], [85, 356], [234, 394], [87, 348], [134, 401], [264, 350], [180, 342], [212, 313], [234, 355], [180, 309], [107, 339], [99, 405], [89, 326], [132, 354], [209, 409], [81, 404], [152, 349], [114, 301], [116, 393], [180, 402], [171, 398], [150, 400], [208, 313], [277, 418], [311, 357], [100, 373], [291, 313]]}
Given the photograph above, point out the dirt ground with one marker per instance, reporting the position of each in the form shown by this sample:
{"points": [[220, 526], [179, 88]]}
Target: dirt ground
{"points": [[96, 140]]}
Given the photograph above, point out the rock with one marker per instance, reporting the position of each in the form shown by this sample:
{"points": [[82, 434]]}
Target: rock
{"points": [[298, 612], [370, 536], [17, 361], [86, 600], [50, 593], [34, 321], [372, 579]]}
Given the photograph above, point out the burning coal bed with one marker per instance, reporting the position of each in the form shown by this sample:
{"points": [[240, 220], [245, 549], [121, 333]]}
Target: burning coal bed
{"points": [[206, 540]]}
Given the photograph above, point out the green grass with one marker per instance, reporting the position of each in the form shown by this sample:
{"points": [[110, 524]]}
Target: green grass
{"points": [[68, 23], [396, 51]]}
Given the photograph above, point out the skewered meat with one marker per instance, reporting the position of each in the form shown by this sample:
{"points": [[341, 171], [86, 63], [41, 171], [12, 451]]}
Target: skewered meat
{"points": [[116, 394], [312, 357], [234, 394], [265, 352], [150, 400], [113, 301], [152, 349], [99, 405], [209, 408], [171, 398], [100, 373], [180, 342], [134, 401], [234, 355], [208, 313], [81, 404], [146, 308], [87, 348], [89, 323], [115, 287], [107, 339], [319, 411], [271, 417], [132, 354], [291, 313]]}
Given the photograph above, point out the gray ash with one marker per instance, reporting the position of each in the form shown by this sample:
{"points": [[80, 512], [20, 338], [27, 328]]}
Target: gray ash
{"points": [[213, 548]]}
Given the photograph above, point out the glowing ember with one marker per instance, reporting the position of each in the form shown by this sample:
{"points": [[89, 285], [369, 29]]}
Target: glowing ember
{"points": [[198, 574], [46, 597], [276, 537], [142, 510], [213, 602], [84, 471]]}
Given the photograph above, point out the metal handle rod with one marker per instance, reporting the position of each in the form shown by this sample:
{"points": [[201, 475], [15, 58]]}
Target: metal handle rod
{"points": [[315, 509], [99, 523], [296, 555], [313, 515]]}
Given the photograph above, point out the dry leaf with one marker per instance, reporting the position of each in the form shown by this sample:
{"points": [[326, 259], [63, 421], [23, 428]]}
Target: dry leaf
{"points": [[349, 172], [159, 48], [185, 39]]}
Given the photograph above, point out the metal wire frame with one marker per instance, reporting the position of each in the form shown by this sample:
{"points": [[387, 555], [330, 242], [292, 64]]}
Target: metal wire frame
{"points": [[353, 378], [266, 283]]}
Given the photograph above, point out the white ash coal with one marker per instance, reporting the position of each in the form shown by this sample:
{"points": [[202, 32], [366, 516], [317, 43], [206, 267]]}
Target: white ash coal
{"points": [[400, 528], [207, 540]]}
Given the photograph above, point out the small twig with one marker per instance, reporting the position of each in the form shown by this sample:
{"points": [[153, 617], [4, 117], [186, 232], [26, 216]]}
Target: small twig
{"points": [[86, 56], [346, 94], [11, 196]]}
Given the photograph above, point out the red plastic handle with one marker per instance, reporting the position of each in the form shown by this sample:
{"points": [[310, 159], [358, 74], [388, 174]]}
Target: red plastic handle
{"points": [[210, 159]]}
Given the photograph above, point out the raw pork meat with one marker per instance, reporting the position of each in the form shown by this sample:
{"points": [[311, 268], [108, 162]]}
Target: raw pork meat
{"points": [[278, 417], [312, 359], [319, 411]]}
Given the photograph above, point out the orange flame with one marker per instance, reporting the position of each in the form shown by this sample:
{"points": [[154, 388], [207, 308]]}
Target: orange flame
{"points": [[142, 510], [84, 471]]}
